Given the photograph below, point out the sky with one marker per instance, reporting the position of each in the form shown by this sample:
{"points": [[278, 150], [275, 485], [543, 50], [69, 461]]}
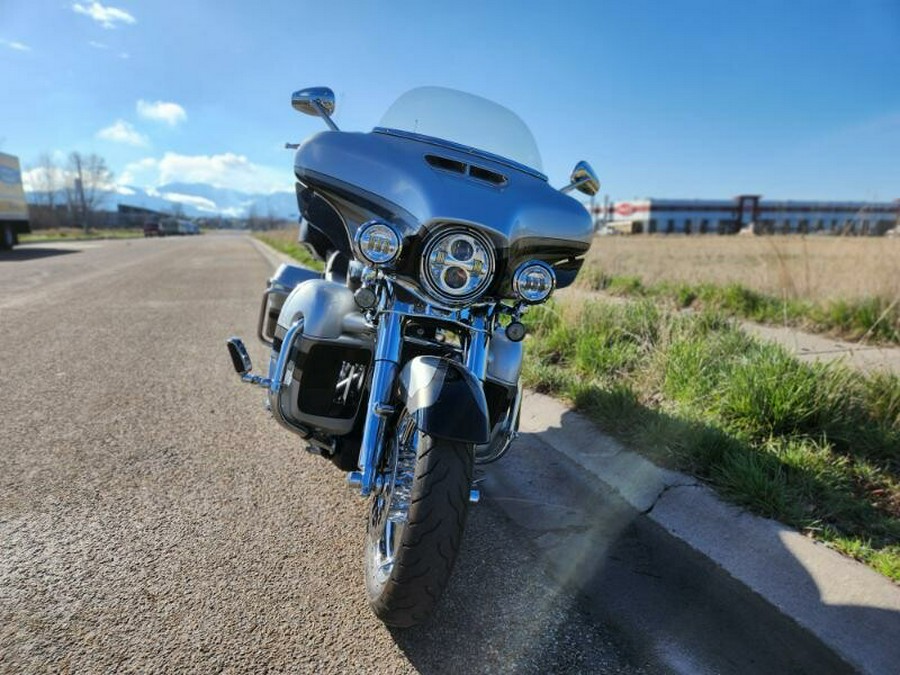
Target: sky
{"points": [[791, 100]]}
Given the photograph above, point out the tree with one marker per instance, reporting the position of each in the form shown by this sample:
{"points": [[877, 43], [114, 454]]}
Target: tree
{"points": [[88, 180], [46, 181]]}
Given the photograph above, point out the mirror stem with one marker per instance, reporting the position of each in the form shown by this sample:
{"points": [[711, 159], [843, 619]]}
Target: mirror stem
{"points": [[572, 186], [322, 112]]}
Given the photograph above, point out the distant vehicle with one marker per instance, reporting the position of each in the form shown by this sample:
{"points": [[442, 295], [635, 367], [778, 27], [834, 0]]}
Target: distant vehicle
{"points": [[151, 229], [177, 226], [187, 227], [13, 207]]}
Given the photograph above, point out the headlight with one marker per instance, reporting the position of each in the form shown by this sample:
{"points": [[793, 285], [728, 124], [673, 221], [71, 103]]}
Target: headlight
{"points": [[458, 265], [534, 281], [377, 242]]}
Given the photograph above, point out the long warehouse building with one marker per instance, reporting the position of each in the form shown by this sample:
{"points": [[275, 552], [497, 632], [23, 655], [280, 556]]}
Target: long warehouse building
{"points": [[747, 213]]}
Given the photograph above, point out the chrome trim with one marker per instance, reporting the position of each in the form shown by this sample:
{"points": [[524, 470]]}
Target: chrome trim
{"points": [[459, 147], [509, 431], [315, 101], [521, 268], [584, 179], [260, 326], [432, 286], [388, 345], [361, 230], [477, 348], [236, 348], [277, 375]]}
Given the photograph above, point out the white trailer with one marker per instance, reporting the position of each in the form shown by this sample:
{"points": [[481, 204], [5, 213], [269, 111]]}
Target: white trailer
{"points": [[13, 207]]}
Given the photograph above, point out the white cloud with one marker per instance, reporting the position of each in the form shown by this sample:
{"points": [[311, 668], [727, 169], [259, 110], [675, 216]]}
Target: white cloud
{"points": [[98, 45], [122, 132], [226, 170], [142, 171], [124, 55], [17, 46], [161, 111], [200, 203], [107, 17]]}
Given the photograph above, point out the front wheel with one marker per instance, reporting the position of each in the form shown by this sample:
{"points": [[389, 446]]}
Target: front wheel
{"points": [[416, 524]]}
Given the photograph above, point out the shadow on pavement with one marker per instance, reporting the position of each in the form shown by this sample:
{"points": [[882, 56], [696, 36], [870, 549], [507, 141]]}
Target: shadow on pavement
{"points": [[599, 588], [23, 253], [501, 613]]}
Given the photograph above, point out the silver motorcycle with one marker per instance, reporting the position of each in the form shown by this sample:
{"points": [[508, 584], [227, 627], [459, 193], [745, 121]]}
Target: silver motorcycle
{"points": [[401, 362]]}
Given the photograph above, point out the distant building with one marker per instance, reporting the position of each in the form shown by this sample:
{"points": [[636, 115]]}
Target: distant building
{"points": [[747, 213]]}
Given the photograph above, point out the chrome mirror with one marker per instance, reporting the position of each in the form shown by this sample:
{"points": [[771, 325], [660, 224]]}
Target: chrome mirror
{"points": [[315, 101], [584, 179]]}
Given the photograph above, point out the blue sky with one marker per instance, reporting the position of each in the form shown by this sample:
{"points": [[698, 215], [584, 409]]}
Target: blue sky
{"points": [[667, 99]]}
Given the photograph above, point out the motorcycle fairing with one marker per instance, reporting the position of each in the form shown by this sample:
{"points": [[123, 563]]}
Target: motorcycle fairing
{"points": [[445, 398], [395, 178]]}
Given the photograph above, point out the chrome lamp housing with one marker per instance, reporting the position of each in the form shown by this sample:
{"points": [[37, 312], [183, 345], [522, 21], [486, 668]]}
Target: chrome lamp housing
{"points": [[534, 281], [457, 265], [378, 243]]}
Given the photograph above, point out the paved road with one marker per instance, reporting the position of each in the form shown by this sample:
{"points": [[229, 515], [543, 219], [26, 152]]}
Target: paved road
{"points": [[153, 518]]}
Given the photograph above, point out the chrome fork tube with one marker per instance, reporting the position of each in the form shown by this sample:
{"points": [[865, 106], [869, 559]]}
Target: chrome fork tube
{"points": [[388, 344], [477, 349]]}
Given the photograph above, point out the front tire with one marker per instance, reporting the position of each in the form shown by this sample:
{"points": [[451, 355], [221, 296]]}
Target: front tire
{"points": [[416, 525]]}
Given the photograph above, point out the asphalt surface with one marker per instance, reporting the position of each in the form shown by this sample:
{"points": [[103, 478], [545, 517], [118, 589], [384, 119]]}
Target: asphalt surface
{"points": [[153, 517]]}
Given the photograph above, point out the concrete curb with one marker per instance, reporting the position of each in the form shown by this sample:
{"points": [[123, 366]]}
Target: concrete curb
{"points": [[849, 607], [274, 257]]}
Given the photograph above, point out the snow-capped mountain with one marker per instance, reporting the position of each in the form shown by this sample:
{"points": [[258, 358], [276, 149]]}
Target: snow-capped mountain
{"points": [[200, 199], [195, 200]]}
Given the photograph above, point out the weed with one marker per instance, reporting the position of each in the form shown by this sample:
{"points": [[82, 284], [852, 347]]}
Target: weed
{"points": [[817, 446]]}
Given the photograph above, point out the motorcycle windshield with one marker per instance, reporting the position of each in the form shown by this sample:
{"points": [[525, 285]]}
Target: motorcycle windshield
{"points": [[464, 119]]}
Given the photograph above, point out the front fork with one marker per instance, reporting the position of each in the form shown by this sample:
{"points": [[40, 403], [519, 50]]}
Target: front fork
{"points": [[388, 348]]}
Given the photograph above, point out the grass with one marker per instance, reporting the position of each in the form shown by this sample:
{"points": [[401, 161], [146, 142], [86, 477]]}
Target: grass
{"points": [[815, 446], [286, 242], [811, 268], [78, 234], [869, 318]]}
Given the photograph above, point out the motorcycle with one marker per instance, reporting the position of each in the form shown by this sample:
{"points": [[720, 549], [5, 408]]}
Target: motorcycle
{"points": [[401, 362]]}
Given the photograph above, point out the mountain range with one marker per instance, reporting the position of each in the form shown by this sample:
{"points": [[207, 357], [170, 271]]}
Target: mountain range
{"points": [[196, 200]]}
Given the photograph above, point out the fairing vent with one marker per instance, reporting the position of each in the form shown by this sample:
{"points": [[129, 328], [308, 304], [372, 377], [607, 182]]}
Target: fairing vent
{"points": [[463, 169]]}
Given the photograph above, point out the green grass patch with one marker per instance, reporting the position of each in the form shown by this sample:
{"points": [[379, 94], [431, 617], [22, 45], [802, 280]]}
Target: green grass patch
{"points": [[816, 446], [78, 234], [286, 242], [876, 319]]}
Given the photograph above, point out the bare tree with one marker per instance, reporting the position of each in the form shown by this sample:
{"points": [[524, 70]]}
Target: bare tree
{"points": [[252, 220], [47, 181], [88, 180]]}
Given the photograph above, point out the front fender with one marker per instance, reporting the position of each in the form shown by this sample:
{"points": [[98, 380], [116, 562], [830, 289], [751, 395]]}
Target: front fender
{"points": [[445, 398]]}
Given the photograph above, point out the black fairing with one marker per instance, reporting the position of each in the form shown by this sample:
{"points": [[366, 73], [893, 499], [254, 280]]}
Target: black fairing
{"points": [[321, 226], [445, 398]]}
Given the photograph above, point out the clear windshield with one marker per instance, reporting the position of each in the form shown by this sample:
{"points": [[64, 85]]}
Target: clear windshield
{"points": [[465, 119]]}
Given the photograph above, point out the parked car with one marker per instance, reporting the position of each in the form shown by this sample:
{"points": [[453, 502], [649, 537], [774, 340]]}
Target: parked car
{"points": [[152, 229]]}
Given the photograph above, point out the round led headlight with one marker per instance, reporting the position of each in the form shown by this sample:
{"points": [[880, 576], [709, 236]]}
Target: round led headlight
{"points": [[458, 265], [377, 242], [534, 281]]}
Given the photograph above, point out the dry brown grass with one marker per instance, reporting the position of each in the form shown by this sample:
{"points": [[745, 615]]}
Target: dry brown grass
{"points": [[811, 268]]}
